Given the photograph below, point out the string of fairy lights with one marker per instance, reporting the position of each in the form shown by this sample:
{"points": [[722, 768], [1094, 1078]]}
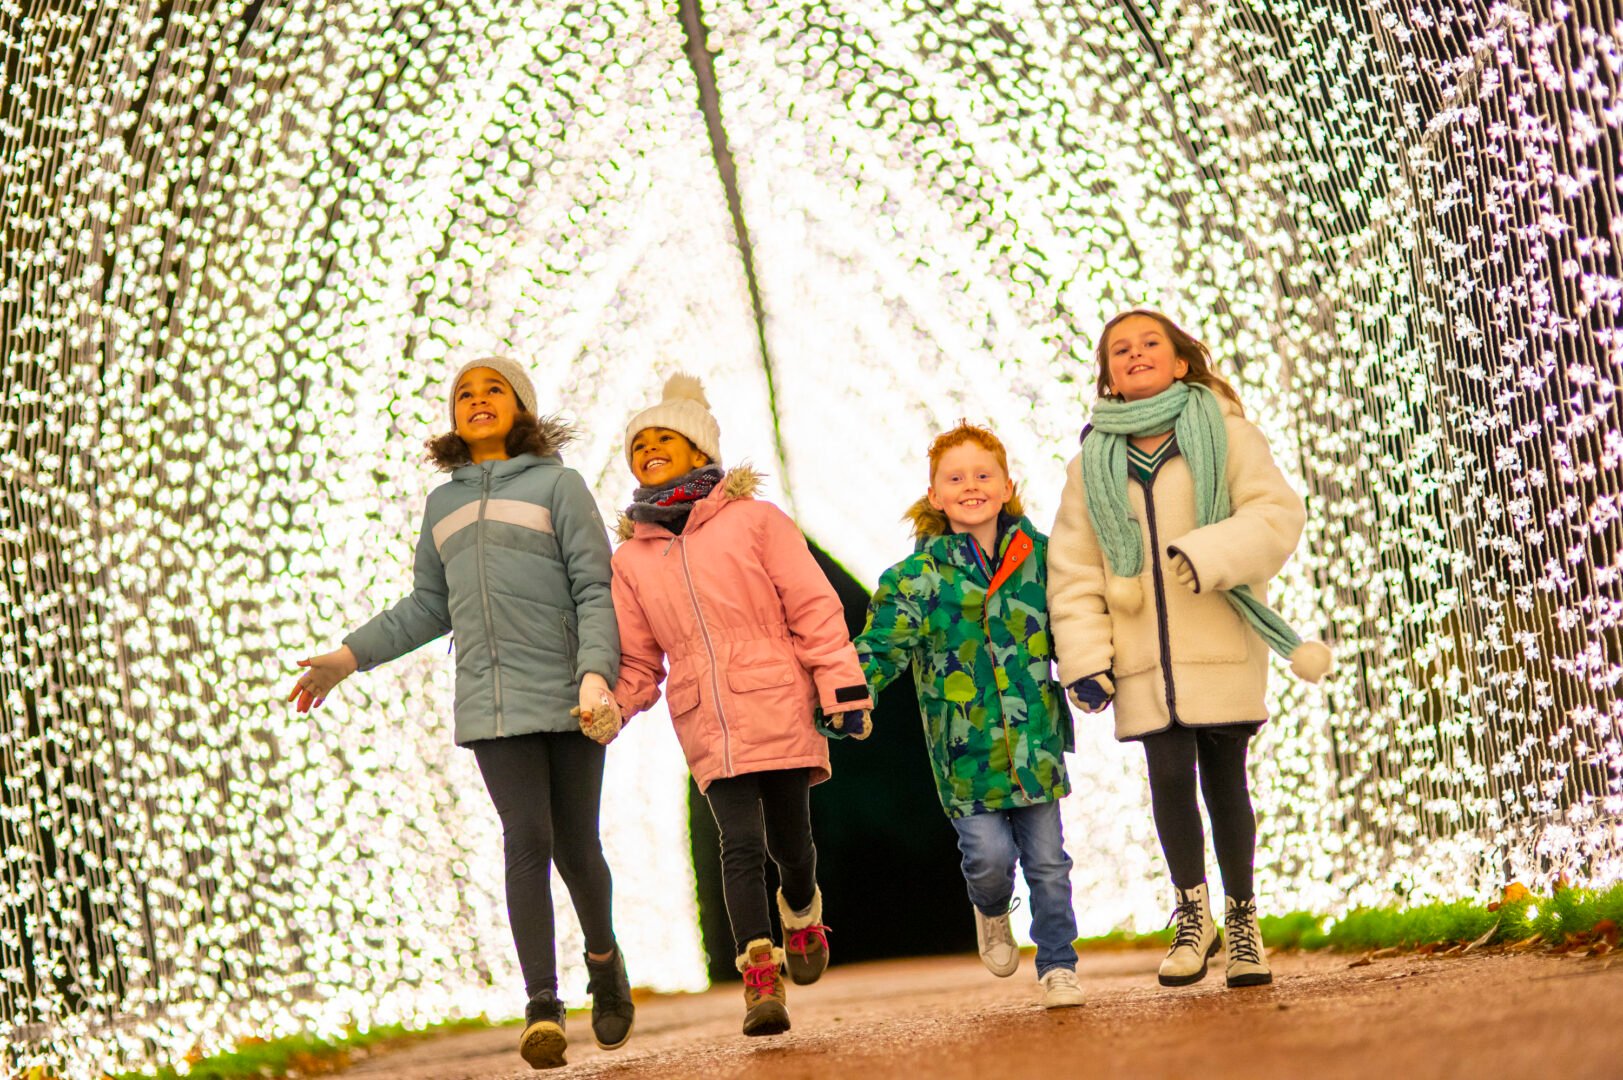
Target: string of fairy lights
{"points": [[245, 242]]}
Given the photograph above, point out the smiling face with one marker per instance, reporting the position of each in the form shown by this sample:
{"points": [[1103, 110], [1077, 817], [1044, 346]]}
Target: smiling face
{"points": [[969, 486], [485, 407], [660, 455], [1141, 358]]}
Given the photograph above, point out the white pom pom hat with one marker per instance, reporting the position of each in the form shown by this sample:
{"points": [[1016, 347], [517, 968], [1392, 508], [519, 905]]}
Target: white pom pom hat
{"points": [[683, 409], [510, 370]]}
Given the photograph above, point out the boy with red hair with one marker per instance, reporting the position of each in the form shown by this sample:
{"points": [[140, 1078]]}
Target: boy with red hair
{"points": [[969, 612]]}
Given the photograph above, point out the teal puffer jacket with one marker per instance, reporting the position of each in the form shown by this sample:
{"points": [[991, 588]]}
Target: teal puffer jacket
{"points": [[513, 560]]}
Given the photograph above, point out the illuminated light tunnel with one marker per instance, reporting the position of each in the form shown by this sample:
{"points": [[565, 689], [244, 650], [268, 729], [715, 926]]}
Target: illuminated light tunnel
{"points": [[246, 242]]}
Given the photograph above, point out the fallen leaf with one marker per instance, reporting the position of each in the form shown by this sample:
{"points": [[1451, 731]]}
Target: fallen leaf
{"points": [[1383, 954], [1515, 891], [1525, 943], [1362, 961], [1606, 930], [1495, 906], [1485, 938], [1428, 948], [1561, 882]]}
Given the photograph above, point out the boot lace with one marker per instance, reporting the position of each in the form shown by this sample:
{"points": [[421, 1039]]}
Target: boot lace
{"points": [[1244, 940], [762, 978], [799, 941], [1187, 915]]}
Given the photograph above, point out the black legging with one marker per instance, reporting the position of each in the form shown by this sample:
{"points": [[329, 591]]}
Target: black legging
{"points": [[546, 788], [760, 814], [1172, 756]]}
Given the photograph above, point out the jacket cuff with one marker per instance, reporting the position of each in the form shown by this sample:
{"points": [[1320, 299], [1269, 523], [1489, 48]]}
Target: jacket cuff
{"points": [[356, 644]]}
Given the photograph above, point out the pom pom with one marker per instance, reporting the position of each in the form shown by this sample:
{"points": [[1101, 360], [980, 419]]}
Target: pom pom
{"points": [[1311, 660], [683, 386], [1125, 595]]}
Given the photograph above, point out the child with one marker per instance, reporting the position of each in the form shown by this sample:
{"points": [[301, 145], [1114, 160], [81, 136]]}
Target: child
{"points": [[724, 585], [1173, 518], [969, 611], [514, 560]]}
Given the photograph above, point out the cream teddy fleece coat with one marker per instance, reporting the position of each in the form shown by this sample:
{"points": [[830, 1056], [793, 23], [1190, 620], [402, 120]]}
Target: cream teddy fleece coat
{"points": [[1175, 654]]}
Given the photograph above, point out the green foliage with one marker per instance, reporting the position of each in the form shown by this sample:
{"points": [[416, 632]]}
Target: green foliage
{"points": [[1552, 918], [304, 1053]]}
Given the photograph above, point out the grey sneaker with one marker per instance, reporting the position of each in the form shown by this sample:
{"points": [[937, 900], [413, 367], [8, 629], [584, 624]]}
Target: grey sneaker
{"points": [[1060, 988], [996, 941]]}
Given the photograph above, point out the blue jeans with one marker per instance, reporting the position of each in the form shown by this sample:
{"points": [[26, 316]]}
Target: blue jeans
{"points": [[991, 842]]}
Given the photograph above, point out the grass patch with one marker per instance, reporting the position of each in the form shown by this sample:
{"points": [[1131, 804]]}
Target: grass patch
{"points": [[303, 1055], [1562, 918]]}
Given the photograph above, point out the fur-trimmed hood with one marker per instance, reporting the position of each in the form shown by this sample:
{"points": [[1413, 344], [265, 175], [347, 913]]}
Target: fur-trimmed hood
{"points": [[929, 523], [555, 435], [741, 482]]}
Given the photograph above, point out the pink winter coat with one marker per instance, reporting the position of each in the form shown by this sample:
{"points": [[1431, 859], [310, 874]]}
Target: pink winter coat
{"points": [[755, 635]]}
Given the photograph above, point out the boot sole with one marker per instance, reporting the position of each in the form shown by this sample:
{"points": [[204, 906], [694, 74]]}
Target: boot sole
{"points": [[770, 1020], [601, 1045], [1190, 980], [1259, 979], [543, 1044]]}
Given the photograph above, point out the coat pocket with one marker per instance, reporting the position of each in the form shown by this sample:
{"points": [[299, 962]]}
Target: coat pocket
{"points": [[682, 697], [741, 680], [1136, 635]]}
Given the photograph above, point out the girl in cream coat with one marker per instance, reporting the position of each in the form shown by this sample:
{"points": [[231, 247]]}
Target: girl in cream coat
{"points": [[1171, 523]]}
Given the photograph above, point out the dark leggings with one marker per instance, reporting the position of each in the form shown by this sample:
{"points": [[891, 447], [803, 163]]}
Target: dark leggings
{"points": [[761, 814], [1220, 753], [546, 788]]}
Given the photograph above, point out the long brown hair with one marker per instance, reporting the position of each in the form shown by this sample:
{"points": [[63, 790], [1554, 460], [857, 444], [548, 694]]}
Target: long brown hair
{"points": [[530, 434], [1185, 346]]}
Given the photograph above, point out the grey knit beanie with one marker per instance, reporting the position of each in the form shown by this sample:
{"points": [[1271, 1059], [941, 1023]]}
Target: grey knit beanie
{"points": [[683, 409], [507, 369]]}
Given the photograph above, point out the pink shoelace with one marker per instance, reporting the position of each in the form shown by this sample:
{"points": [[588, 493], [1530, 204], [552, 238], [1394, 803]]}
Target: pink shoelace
{"points": [[762, 978], [799, 941]]}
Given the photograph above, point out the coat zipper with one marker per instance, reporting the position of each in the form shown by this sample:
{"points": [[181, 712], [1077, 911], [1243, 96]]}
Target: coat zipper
{"points": [[986, 628], [710, 648], [484, 596], [1160, 602]]}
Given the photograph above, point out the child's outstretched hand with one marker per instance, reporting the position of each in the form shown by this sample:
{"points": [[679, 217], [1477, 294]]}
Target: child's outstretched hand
{"points": [[1093, 693], [598, 712], [321, 674]]}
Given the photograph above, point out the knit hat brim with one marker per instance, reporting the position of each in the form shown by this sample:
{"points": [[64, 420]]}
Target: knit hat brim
{"points": [[510, 370], [683, 409]]}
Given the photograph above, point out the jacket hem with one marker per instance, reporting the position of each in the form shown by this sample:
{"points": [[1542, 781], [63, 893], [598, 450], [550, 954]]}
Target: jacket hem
{"points": [[1180, 722]]}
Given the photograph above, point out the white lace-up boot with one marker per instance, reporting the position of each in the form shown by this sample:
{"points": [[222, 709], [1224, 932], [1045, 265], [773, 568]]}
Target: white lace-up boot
{"points": [[996, 940], [1195, 941], [1247, 962]]}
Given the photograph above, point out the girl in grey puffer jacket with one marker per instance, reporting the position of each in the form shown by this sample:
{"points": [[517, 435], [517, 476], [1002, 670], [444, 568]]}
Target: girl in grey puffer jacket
{"points": [[513, 560]]}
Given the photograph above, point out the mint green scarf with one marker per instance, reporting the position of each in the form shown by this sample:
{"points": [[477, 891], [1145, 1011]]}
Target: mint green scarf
{"points": [[1196, 420]]}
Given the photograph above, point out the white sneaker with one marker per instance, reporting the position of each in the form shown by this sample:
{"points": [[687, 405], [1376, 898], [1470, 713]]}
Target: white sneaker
{"points": [[1247, 962], [998, 950], [1060, 989], [1195, 942]]}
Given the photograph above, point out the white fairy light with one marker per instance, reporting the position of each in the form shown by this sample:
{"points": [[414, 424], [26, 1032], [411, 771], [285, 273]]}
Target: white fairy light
{"points": [[238, 261]]}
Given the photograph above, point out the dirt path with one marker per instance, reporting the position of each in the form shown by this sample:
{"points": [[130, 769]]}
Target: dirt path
{"points": [[1406, 1018]]}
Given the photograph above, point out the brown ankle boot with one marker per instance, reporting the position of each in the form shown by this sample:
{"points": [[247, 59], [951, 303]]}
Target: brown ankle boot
{"points": [[805, 940], [766, 1011]]}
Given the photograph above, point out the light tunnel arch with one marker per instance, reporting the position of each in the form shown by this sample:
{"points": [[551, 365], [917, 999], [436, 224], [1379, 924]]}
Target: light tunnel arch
{"points": [[233, 230]]}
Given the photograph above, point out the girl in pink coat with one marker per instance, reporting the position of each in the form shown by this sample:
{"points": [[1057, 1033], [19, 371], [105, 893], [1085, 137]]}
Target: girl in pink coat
{"points": [[722, 586]]}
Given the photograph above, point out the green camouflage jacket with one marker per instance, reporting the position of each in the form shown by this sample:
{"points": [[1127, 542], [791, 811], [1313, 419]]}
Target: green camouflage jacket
{"points": [[996, 720]]}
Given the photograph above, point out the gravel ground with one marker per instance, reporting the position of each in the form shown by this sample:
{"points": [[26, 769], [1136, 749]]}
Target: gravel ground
{"points": [[1409, 1017]]}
